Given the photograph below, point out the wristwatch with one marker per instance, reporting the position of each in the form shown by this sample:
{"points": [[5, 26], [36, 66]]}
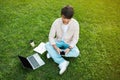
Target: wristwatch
{"points": [[69, 48]]}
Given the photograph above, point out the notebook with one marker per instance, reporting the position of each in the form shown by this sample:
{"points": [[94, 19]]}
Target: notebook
{"points": [[40, 48]]}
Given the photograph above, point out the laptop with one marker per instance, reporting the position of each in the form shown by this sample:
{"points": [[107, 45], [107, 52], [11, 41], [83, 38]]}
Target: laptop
{"points": [[34, 61]]}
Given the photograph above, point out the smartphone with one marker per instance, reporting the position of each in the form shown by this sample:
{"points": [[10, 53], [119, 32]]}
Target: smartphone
{"points": [[62, 53]]}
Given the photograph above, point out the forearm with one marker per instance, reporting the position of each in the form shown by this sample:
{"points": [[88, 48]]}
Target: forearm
{"points": [[73, 43], [70, 47], [51, 40], [54, 46]]}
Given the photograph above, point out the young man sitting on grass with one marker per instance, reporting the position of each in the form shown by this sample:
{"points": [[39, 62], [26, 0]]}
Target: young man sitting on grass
{"points": [[63, 37]]}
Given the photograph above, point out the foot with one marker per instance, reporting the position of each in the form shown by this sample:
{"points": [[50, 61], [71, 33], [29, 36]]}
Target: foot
{"points": [[48, 56], [63, 66]]}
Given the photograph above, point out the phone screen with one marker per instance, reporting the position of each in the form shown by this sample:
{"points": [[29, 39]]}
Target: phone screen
{"points": [[62, 53]]}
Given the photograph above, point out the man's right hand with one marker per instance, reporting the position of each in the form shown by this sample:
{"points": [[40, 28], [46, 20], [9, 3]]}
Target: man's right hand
{"points": [[56, 48]]}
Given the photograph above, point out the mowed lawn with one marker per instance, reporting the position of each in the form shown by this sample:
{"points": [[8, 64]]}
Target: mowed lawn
{"points": [[99, 43]]}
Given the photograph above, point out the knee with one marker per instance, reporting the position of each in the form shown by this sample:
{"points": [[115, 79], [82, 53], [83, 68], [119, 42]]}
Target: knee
{"points": [[77, 53], [47, 45]]}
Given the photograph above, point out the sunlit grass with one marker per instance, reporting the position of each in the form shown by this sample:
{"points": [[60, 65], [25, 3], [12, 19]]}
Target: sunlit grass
{"points": [[23, 20]]}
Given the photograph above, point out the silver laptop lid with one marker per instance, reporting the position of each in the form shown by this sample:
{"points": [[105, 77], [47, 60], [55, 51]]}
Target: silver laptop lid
{"points": [[35, 61]]}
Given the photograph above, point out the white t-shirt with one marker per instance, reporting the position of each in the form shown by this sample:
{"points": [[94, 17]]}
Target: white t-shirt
{"points": [[64, 28]]}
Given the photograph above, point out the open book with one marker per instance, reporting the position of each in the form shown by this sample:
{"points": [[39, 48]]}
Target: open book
{"points": [[40, 48]]}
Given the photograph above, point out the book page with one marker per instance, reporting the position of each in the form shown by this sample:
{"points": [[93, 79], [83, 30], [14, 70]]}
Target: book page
{"points": [[40, 48]]}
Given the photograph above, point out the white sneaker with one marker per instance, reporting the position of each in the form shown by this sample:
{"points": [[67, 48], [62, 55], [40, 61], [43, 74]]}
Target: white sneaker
{"points": [[63, 66], [48, 56]]}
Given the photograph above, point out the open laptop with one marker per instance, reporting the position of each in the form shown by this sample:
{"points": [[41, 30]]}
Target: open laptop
{"points": [[34, 61]]}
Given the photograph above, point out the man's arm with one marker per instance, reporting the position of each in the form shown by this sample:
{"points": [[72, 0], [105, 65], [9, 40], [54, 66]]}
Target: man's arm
{"points": [[74, 39], [52, 33], [56, 48], [52, 36], [75, 36]]}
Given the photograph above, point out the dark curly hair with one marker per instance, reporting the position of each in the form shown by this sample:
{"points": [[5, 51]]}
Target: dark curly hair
{"points": [[67, 11]]}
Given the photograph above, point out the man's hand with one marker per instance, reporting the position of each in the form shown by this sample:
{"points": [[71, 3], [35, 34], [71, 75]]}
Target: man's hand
{"points": [[67, 50], [56, 48]]}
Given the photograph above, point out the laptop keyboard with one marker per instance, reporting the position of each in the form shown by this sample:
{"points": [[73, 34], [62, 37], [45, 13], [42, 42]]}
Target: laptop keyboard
{"points": [[33, 61]]}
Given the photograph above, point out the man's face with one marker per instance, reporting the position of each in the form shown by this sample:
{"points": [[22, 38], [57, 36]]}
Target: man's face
{"points": [[65, 20]]}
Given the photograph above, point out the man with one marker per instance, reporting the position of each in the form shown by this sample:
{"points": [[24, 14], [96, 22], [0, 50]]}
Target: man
{"points": [[63, 37]]}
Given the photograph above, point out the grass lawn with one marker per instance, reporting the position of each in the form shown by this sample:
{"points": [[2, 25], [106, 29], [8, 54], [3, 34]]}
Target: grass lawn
{"points": [[99, 43]]}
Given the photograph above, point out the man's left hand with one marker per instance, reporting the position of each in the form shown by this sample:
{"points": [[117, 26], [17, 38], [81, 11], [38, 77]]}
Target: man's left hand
{"points": [[67, 50]]}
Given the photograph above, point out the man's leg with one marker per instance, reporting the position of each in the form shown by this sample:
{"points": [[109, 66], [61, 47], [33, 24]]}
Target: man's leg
{"points": [[73, 52], [57, 58], [52, 52]]}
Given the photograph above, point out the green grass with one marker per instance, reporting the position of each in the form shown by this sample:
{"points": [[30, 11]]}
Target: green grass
{"points": [[99, 43]]}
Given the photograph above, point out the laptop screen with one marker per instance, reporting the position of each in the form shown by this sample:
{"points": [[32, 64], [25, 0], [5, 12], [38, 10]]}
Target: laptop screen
{"points": [[25, 62]]}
